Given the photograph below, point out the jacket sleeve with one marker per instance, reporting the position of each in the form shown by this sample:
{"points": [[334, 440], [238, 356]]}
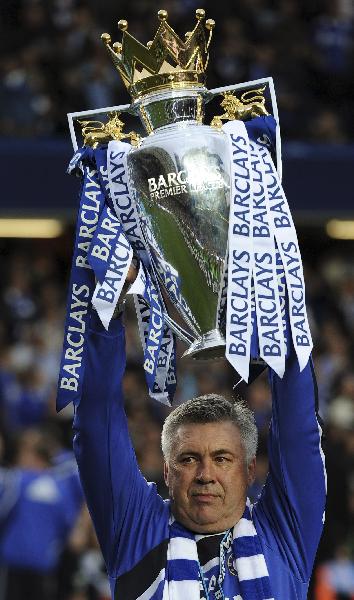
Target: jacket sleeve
{"points": [[129, 517], [290, 511]]}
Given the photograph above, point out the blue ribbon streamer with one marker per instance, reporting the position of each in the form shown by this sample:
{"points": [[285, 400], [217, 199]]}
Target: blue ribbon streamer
{"points": [[262, 129], [82, 284], [155, 333]]}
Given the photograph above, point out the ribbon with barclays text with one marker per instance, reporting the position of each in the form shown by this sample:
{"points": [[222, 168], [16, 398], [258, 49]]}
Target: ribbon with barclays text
{"points": [[241, 252], [267, 300], [287, 243], [123, 201], [108, 234], [264, 270], [82, 283], [262, 294], [157, 339]]}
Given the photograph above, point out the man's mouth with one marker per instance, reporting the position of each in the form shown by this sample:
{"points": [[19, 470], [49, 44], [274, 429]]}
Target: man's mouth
{"points": [[204, 498]]}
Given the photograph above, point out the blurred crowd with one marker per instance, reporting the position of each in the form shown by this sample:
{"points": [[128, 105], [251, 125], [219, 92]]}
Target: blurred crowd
{"points": [[36, 443], [53, 61]]}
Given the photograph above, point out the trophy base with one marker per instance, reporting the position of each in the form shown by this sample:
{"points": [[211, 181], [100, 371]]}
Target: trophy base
{"points": [[209, 345], [212, 345]]}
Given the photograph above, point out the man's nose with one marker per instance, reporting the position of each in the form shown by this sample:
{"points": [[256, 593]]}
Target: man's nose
{"points": [[205, 472]]}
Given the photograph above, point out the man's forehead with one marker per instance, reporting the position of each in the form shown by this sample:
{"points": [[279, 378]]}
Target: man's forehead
{"points": [[200, 434]]}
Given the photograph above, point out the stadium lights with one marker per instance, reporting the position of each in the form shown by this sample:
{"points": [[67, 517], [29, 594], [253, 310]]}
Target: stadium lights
{"points": [[30, 228], [340, 230]]}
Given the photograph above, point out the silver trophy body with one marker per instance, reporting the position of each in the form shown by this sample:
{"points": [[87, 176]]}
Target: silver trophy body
{"points": [[180, 175]]}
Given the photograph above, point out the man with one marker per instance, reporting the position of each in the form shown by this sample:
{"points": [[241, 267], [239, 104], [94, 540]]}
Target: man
{"points": [[207, 541], [40, 500]]}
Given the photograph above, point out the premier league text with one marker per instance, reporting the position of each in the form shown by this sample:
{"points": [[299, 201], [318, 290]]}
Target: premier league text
{"points": [[173, 184]]}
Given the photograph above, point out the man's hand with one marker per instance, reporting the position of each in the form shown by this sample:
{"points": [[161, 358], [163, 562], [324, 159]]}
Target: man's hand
{"points": [[132, 274]]}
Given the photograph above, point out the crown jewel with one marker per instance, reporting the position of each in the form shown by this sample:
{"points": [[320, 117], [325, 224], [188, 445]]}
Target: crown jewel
{"points": [[164, 63]]}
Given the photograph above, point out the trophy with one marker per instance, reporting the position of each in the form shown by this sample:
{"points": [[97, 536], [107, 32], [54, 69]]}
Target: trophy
{"points": [[206, 216]]}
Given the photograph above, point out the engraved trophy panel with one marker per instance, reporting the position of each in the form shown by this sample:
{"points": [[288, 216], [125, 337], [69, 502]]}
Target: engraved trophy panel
{"points": [[181, 177]]}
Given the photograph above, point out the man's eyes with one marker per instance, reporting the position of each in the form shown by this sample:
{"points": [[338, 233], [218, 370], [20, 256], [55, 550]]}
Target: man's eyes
{"points": [[188, 459], [191, 459], [223, 459]]}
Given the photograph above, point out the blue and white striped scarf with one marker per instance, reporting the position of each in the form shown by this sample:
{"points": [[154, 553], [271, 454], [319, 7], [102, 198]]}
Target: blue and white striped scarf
{"points": [[179, 580]]}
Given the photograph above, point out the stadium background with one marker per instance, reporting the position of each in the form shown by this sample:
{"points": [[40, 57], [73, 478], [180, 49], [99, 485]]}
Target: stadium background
{"points": [[52, 62]]}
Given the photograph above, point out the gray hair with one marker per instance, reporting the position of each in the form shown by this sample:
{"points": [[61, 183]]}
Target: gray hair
{"points": [[212, 408]]}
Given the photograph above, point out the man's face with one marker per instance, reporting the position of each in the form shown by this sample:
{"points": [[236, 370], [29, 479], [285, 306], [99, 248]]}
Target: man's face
{"points": [[207, 476]]}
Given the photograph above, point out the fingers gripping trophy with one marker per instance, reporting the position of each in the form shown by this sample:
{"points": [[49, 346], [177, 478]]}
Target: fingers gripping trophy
{"points": [[198, 208]]}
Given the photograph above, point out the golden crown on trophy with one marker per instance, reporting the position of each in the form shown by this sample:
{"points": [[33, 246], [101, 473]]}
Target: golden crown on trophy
{"points": [[164, 63]]}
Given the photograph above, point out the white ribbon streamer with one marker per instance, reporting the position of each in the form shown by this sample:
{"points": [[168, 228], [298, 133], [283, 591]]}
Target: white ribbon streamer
{"points": [[107, 293], [264, 262], [268, 313], [139, 285], [122, 198], [287, 242], [241, 252]]}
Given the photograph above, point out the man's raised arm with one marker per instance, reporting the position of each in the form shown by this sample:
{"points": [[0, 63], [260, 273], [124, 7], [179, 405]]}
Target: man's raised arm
{"points": [[128, 515], [293, 499]]}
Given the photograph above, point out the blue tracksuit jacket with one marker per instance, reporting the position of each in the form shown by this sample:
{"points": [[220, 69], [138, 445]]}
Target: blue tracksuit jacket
{"points": [[131, 519]]}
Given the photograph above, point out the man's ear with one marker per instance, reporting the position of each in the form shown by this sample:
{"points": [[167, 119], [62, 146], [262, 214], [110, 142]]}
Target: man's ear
{"points": [[165, 472], [251, 471]]}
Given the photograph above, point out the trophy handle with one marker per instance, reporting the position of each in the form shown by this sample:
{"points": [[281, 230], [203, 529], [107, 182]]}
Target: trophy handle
{"points": [[243, 108], [77, 116], [209, 95], [98, 132], [268, 84]]}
